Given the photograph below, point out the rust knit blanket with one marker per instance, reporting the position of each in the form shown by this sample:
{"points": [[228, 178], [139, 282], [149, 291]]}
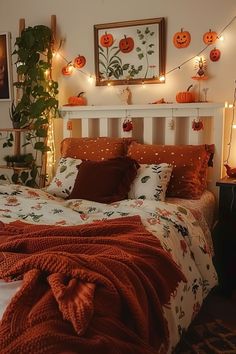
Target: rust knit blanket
{"points": [[96, 288]]}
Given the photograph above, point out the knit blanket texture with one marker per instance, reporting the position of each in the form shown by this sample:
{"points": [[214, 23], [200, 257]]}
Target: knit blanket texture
{"points": [[96, 288]]}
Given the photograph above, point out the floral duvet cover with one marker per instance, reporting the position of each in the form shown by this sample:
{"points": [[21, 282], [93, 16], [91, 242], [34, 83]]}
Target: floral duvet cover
{"points": [[178, 231]]}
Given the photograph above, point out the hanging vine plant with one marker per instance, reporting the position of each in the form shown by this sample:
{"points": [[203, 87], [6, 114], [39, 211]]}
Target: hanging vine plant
{"points": [[36, 102]]}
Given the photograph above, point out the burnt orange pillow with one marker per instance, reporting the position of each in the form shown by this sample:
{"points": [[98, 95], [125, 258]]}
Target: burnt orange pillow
{"points": [[104, 181], [190, 162], [95, 149]]}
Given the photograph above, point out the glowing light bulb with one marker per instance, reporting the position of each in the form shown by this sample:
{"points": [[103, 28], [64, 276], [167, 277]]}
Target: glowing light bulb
{"points": [[90, 79], [221, 38], [108, 84], [226, 104], [162, 78], [230, 106], [234, 126]]}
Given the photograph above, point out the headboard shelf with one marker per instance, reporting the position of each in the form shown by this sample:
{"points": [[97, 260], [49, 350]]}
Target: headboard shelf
{"points": [[169, 123]]}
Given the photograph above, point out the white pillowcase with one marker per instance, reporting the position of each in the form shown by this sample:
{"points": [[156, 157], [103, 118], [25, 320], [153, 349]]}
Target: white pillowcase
{"points": [[151, 182], [64, 180]]}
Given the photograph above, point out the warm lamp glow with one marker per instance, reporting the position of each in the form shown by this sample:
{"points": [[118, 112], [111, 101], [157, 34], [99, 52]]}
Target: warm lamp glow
{"points": [[162, 78], [230, 105], [221, 38]]}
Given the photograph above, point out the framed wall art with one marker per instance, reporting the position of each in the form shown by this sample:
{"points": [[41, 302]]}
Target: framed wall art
{"points": [[130, 52], [5, 67]]}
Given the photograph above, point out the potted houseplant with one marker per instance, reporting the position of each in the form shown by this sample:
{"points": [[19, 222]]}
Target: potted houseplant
{"points": [[37, 103]]}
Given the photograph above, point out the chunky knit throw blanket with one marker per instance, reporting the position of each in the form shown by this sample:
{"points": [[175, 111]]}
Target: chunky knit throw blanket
{"points": [[96, 288]]}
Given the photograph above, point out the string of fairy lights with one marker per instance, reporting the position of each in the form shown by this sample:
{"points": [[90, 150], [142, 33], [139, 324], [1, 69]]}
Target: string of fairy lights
{"points": [[162, 78]]}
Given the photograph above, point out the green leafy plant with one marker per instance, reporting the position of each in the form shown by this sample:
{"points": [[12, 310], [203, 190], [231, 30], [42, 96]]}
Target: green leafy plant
{"points": [[37, 91], [146, 48]]}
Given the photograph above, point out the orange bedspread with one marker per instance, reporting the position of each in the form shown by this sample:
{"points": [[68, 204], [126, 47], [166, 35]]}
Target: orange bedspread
{"points": [[96, 288]]}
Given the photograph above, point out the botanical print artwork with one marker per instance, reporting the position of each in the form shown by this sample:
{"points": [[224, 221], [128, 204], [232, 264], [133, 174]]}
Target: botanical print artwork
{"points": [[128, 53]]}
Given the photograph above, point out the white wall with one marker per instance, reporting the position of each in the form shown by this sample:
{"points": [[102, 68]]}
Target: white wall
{"points": [[75, 21]]}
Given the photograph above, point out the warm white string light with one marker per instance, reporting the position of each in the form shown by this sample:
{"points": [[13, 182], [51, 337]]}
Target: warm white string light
{"points": [[162, 78], [233, 125]]}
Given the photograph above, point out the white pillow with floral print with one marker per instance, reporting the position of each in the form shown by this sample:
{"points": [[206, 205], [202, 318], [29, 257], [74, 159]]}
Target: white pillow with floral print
{"points": [[64, 179], [151, 182]]}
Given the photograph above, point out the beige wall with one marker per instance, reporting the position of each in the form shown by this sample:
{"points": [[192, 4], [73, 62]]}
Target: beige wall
{"points": [[75, 21]]}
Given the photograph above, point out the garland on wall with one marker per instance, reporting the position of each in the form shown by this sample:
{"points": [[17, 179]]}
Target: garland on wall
{"points": [[71, 65]]}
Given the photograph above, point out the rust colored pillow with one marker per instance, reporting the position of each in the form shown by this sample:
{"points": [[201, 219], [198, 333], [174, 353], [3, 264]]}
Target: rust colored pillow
{"points": [[104, 181], [190, 162], [95, 149]]}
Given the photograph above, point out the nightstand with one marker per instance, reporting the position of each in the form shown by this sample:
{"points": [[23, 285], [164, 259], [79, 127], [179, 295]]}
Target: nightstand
{"points": [[224, 236]]}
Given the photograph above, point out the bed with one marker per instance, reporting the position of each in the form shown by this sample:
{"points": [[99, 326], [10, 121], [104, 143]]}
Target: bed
{"points": [[152, 299]]}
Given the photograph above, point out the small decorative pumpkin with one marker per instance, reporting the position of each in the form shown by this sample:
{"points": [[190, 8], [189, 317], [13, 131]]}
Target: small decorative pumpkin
{"points": [[215, 54], [182, 39], [106, 40], [210, 37], [126, 44], [67, 70], [79, 62], [79, 100], [185, 96]]}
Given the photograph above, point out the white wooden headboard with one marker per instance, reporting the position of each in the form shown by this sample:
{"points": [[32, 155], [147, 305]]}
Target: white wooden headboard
{"points": [[155, 124]]}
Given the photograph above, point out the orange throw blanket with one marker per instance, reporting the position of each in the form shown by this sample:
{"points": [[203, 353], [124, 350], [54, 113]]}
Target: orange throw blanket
{"points": [[88, 289]]}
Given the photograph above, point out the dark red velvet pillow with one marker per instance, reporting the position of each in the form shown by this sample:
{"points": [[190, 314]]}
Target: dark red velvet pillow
{"points": [[104, 181]]}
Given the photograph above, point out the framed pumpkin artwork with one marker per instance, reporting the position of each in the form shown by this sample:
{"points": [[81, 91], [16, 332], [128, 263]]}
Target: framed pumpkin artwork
{"points": [[5, 67], [130, 52]]}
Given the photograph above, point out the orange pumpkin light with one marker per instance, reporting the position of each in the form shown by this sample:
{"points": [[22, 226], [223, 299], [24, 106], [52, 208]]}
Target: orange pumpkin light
{"points": [[79, 100], [182, 39], [185, 96], [106, 40], [126, 44], [210, 37], [215, 54], [67, 70], [79, 62]]}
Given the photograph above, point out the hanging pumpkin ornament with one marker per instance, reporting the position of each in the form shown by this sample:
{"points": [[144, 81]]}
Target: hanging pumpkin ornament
{"points": [[210, 37], [126, 44], [79, 62], [182, 39], [215, 54], [106, 40], [67, 70], [127, 125], [197, 124]]}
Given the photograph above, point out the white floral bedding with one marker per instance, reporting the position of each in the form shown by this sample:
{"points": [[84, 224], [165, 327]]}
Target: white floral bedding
{"points": [[175, 226]]}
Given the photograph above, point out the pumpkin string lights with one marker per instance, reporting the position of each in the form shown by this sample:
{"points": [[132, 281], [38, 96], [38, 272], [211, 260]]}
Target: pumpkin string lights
{"points": [[219, 37]]}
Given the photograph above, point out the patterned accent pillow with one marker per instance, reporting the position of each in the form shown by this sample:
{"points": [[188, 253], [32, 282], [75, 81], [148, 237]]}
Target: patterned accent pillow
{"points": [[64, 179], [190, 162], [151, 182]]}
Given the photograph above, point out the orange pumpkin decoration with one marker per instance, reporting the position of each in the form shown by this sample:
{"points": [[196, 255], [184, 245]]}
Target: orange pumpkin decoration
{"points": [[215, 54], [79, 100], [79, 62], [67, 70], [182, 39], [126, 44], [185, 96], [210, 37], [106, 40]]}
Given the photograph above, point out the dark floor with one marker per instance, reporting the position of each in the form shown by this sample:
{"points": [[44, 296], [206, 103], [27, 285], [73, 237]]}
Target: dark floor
{"points": [[218, 306]]}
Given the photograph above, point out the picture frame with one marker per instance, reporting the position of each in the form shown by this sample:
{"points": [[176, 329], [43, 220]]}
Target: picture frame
{"points": [[130, 52], [5, 67]]}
